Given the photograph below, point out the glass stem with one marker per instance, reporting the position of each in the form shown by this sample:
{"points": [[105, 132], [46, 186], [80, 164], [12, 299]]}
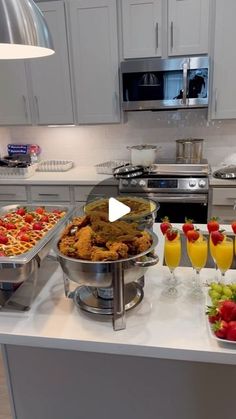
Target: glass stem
{"points": [[222, 277], [196, 280]]}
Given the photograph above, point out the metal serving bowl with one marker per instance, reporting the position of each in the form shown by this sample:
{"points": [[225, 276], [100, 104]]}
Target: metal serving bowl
{"points": [[100, 274]]}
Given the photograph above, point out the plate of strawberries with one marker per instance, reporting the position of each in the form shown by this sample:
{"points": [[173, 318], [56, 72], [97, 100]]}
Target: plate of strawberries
{"points": [[221, 312]]}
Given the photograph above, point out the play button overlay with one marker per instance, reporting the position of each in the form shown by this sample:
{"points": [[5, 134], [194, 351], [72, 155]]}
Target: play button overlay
{"points": [[116, 209]]}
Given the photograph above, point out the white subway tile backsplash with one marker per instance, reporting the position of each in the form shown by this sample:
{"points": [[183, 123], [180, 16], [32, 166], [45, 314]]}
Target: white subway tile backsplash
{"points": [[89, 145]]}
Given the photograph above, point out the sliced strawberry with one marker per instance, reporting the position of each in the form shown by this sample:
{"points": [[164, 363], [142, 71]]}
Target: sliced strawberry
{"points": [[56, 211], [187, 226], [24, 237], [28, 218], [233, 225], [21, 211], [220, 329], [171, 234], [193, 235], [227, 310], [217, 237], [2, 223], [2, 254], [213, 224], [10, 226], [40, 210], [37, 226], [165, 225], [3, 239], [24, 229], [44, 219]]}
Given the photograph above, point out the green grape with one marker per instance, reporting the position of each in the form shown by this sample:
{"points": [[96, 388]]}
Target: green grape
{"points": [[233, 287], [214, 294], [216, 287], [227, 291]]}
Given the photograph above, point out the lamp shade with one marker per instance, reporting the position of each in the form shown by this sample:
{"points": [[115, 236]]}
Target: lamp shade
{"points": [[24, 31]]}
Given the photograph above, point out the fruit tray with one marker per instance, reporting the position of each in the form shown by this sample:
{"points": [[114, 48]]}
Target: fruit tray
{"points": [[54, 165], [17, 172]]}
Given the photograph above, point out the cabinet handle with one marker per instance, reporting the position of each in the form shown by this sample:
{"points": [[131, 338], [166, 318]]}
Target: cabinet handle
{"points": [[157, 35], [185, 81], [216, 98], [37, 106], [172, 35], [25, 108], [116, 102], [7, 194], [48, 194]]}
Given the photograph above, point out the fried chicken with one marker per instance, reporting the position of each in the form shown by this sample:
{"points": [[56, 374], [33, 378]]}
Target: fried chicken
{"points": [[100, 254], [143, 243], [118, 247], [84, 244]]}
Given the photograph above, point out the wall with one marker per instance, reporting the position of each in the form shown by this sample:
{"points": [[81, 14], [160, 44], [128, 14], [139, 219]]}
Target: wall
{"points": [[94, 144]]}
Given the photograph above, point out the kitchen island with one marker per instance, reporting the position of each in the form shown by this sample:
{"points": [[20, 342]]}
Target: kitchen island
{"points": [[62, 363]]}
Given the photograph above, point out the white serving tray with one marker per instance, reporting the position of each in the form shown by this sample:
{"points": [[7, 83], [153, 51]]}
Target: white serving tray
{"points": [[17, 172]]}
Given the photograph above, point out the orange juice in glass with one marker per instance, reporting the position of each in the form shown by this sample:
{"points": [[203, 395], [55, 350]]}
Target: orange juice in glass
{"points": [[224, 251], [197, 252], [172, 254]]}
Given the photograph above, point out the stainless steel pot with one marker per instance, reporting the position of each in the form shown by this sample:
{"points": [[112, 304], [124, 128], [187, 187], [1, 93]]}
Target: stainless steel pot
{"points": [[143, 155], [189, 150], [100, 274]]}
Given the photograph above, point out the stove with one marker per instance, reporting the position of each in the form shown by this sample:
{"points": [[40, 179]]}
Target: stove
{"points": [[181, 189]]}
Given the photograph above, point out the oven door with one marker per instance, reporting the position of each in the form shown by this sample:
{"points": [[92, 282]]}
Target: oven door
{"points": [[180, 206]]}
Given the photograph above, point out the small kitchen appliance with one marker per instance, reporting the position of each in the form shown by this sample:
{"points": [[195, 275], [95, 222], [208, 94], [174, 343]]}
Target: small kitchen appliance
{"points": [[180, 189]]}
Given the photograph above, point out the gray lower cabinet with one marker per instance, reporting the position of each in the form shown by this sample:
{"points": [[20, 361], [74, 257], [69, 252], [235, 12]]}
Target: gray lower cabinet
{"points": [[223, 202]]}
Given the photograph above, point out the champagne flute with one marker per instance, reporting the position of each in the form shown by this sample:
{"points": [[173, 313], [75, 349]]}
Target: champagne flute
{"points": [[172, 253], [197, 252], [212, 252], [224, 251]]}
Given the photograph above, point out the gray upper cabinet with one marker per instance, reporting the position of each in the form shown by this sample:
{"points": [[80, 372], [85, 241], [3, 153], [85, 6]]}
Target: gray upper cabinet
{"points": [[223, 104], [14, 101], [50, 76], [142, 23], [94, 41], [188, 27], [155, 28]]}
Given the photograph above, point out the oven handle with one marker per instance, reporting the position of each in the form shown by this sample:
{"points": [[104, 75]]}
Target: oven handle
{"points": [[198, 198]]}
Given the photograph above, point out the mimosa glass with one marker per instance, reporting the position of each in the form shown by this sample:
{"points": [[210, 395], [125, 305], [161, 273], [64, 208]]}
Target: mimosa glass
{"points": [[172, 252], [212, 252], [224, 252], [197, 252]]}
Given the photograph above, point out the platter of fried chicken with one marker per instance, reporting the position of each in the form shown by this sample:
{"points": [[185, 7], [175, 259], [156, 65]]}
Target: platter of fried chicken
{"points": [[93, 238]]}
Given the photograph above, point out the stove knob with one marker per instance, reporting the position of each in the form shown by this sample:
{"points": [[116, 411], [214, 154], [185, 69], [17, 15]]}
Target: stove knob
{"points": [[192, 183], [142, 183], [133, 182], [125, 182], [202, 183]]}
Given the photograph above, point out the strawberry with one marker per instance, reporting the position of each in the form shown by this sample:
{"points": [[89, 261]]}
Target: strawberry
{"points": [[227, 310], [213, 224], [231, 332], [56, 211], [28, 218], [3, 239], [2, 223], [21, 211], [233, 225], [187, 226], [2, 254], [193, 235], [171, 234], [220, 329], [37, 226], [40, 210], [213, 314], [165, 225], [217, 237], [24, 229]]}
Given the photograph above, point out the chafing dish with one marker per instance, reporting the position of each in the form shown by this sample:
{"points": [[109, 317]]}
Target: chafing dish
{"points": [[104, 286], [15, 270]]}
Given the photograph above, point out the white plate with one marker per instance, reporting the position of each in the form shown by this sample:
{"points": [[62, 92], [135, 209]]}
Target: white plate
{"points": [[224, 342]]}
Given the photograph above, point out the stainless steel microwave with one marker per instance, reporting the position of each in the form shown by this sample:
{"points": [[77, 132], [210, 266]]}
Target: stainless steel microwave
{"points": [[157, 84]]}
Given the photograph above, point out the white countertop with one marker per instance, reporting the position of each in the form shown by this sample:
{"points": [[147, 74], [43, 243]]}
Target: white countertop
{"points": [[157, 328], [83, 175]]}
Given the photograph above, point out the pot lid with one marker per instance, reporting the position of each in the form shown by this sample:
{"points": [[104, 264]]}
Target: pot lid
{"points": [[142, 147], [228, 172], [189, 140]]}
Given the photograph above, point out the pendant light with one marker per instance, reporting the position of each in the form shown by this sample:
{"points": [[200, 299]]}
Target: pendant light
{"points": [[23, 31]]}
